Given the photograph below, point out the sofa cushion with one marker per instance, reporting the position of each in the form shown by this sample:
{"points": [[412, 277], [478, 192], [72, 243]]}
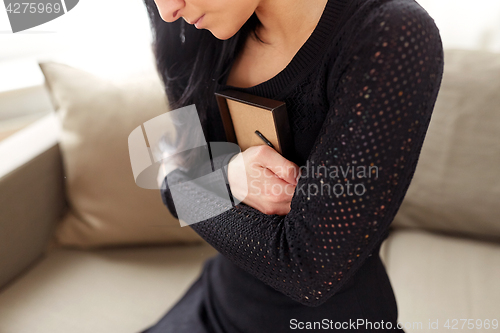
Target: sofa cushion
{"points": [[106, 291], [456, 186], [441, 277], [97, 115]]}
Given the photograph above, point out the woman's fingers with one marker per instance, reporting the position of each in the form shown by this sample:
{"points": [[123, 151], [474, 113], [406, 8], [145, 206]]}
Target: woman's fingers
{"points": [[275, 186], [272, 160], [270, 180]]}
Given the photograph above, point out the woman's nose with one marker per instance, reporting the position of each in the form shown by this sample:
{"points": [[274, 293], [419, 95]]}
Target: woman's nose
{"points": [[170, 10]]}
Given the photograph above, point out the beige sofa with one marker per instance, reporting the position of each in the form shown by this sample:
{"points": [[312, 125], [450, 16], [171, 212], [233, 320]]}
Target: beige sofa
{"points": [[442, 255]]}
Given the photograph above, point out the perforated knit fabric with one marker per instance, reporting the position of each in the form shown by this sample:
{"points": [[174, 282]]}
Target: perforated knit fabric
{"points": [[360, 93]]}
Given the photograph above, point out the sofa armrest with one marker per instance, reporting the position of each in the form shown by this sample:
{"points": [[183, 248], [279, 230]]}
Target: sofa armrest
{"points": [[32, 197]]}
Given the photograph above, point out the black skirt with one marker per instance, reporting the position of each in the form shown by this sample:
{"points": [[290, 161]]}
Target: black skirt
{"points": [[226, 299]]}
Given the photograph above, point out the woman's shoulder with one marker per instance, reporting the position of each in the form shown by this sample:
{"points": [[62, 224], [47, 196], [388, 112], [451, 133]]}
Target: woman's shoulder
{"points": [[367, 22], [384, 33], [372, 22], [373, 14]]}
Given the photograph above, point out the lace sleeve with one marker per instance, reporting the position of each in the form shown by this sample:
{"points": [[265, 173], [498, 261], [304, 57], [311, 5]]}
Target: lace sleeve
{"points": [[372, 135]]}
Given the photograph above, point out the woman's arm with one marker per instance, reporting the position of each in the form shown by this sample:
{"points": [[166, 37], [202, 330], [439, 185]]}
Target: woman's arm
{"points": [[378, 118], [217, 162]]}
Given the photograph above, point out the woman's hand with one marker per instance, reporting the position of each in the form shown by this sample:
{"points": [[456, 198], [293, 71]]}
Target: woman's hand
{"points": [[270, 179]]}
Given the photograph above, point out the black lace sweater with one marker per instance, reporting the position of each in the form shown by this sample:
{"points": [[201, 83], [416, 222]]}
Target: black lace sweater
{"points": [[360, 94]]}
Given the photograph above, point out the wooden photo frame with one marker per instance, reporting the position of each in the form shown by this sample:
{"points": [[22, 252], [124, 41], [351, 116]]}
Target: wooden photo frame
{"points": [[243, 114]]}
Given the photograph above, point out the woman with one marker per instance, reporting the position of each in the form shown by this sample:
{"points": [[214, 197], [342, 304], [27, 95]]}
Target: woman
{"points": [[360, 79]]}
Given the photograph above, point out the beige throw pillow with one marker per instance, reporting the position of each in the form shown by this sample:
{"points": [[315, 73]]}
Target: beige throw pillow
{"points": [[456, 186], [97, 115]]}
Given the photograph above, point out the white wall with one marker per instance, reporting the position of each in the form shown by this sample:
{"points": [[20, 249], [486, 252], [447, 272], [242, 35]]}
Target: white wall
{"points": [[467, 24], [106, 37], [99, 31]]}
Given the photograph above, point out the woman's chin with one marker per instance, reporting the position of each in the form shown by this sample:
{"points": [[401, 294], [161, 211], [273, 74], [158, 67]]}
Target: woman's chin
{"points": [[222, 35]]}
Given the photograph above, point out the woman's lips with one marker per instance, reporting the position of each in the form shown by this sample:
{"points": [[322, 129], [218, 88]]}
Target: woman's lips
{"points": [[198, 22]]}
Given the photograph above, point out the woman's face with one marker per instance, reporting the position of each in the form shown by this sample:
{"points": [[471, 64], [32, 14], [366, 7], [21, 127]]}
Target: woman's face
{"points": [[223, 18]]}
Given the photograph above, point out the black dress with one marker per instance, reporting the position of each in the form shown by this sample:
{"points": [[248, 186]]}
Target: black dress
{"points": [[360, 92], [226, 299]]}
